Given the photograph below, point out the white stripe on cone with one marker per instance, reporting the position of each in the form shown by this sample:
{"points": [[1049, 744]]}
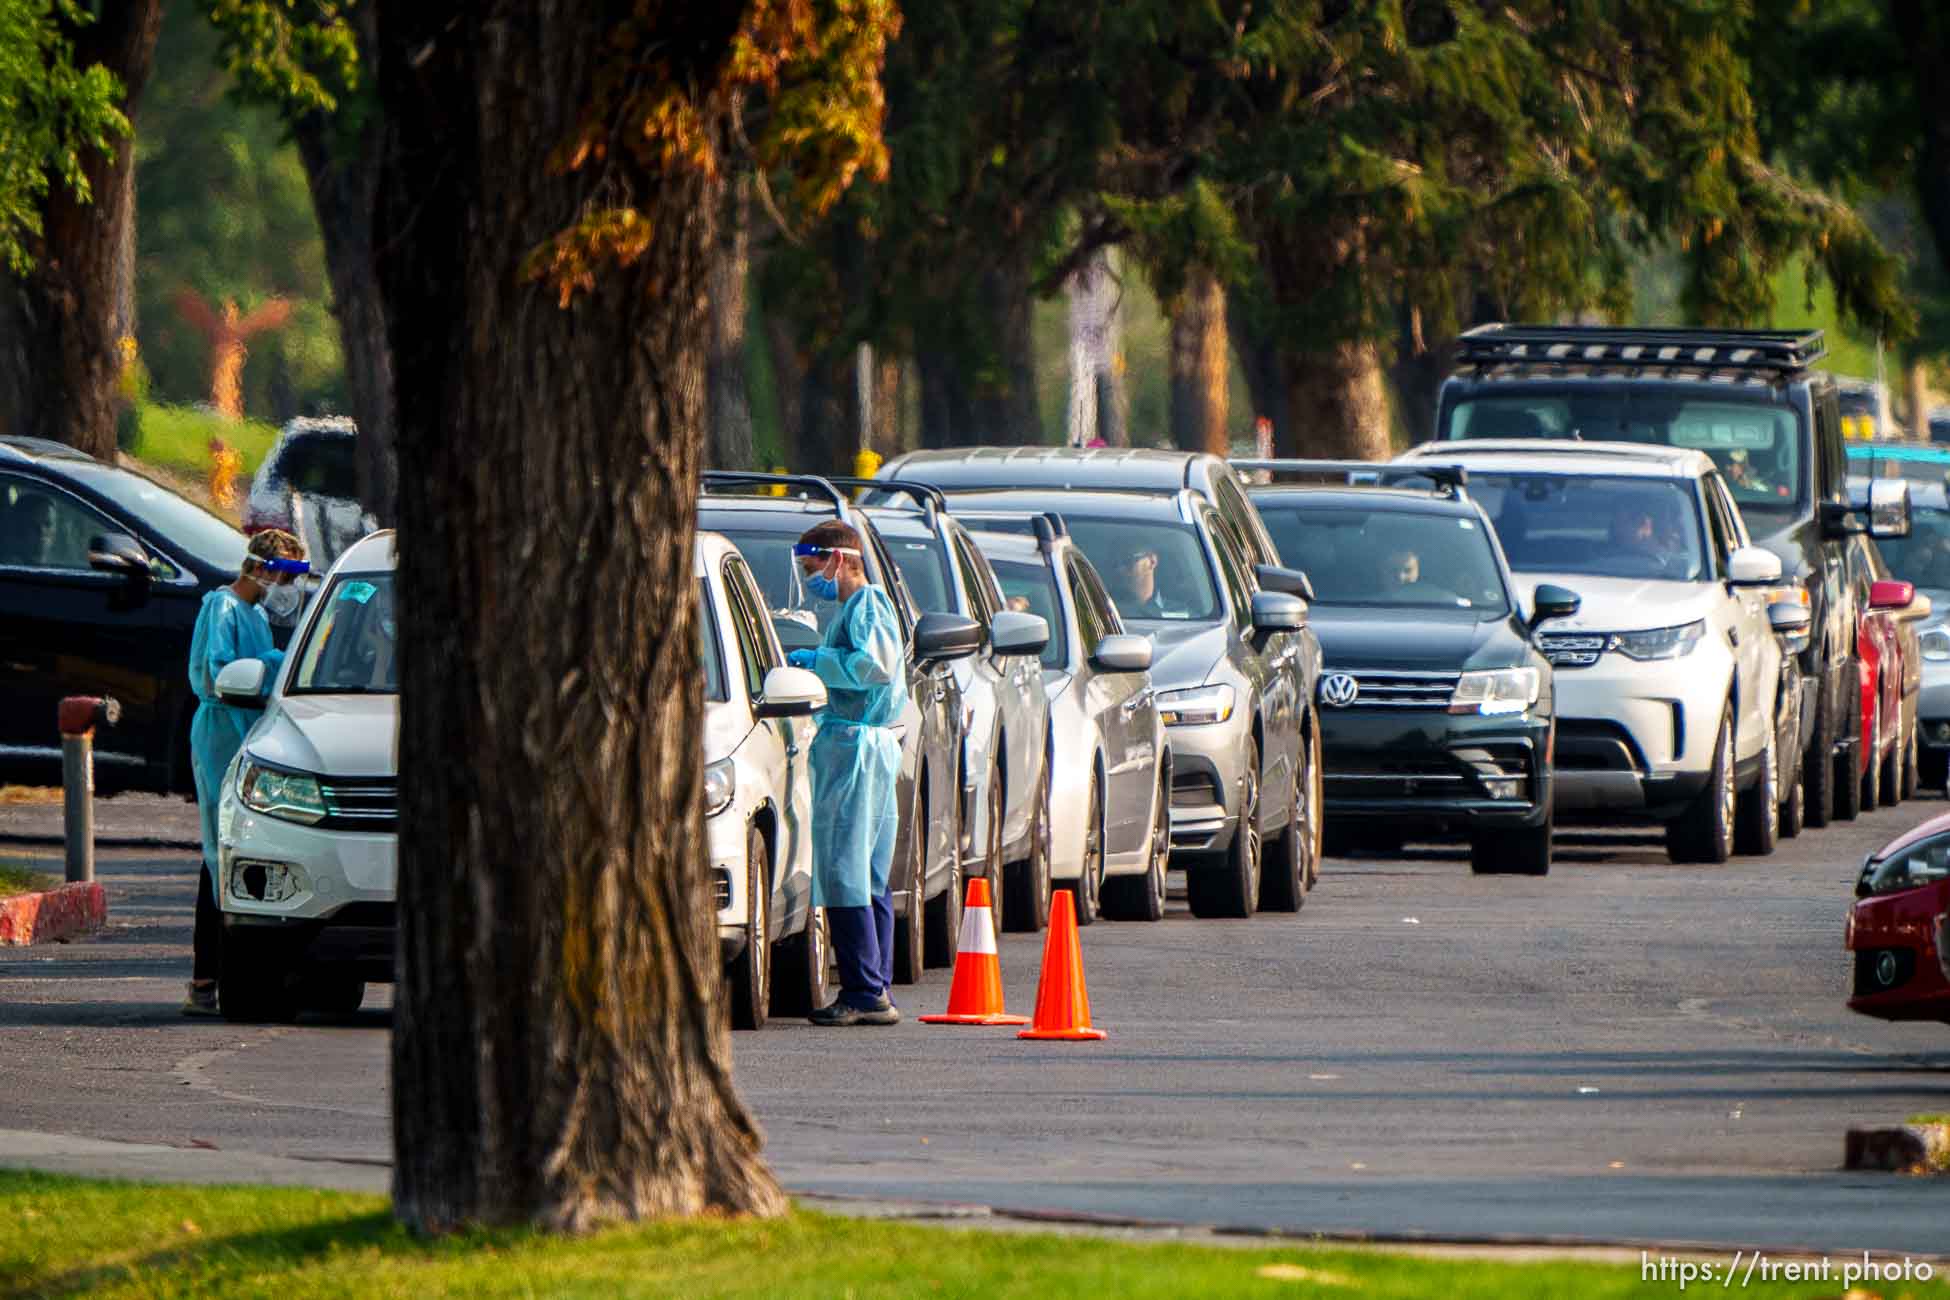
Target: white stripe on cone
{"points": [[977, 932]]}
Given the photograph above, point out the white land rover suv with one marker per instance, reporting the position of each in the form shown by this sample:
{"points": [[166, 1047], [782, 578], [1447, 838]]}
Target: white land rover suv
{"points": [[1666, 675]]}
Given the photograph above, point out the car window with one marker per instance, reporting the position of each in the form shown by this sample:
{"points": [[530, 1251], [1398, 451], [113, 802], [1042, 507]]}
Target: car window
{"points": [[321, 464], [1106, 607], [1090, 623], [745, 626], [1923, 863], [1390, 557], [1233, 570], [1720, 529], [925, 571], [42, 527], [975, 582], [1030, 588], [1156, 570], [1828, 448], [1924, 556], [710, 658], [739, 580], [1604, 525], [350, 648], [177, 520], [1238, 511]]}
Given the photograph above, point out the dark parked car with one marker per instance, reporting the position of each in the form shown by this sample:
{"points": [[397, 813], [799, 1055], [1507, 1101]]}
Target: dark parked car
{"points": [[308, 484], [102, 572], [927, 862], [1751, 400]]}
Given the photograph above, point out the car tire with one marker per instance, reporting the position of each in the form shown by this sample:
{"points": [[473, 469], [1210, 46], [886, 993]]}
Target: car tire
{"points": [[908, 923], [1933, 771], [257, 984], [748, 976], [1283, 862], [1087, 892], [1912, 766], [1317, 806], [1872, 785], [1142, 898], [800, 965], [1517, 851], [943, 928], [1027, 882], [1818, 770], [332, 994], [1231, 888], [1704, 832], [1757, 825], [1890, 783], [992, 854], [1794, 809]]}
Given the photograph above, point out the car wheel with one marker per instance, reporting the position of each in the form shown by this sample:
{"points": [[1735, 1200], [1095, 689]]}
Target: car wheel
{"points": [[1027, 882], [1522, 851], [1283, 863], [800, 963], [1933, 771], [1142, 898], [1758, 828], [257, 984], [747, 979], [908, 924], [1849, 776], [1704, 832], [1889, 783], [1089, 887], [1794, 809], [333, 994], [944, 909], [1818, 770], [1232, 887]]}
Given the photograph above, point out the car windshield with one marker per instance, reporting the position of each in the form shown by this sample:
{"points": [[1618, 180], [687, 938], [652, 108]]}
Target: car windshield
{"points": [[1756, 443], [710, 663], [177, 519], [1030, 588], [799, 619], [321, 464], [1154, 570], [1389, 557], [350, 646], [1612, 527], [925, 571], [1924, 556], [1922, 863]]}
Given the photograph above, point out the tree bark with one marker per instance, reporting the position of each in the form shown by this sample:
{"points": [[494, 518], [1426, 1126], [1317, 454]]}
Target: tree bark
{"points": [[1200, 367], [1337, 405], [560, 1050], [788, 381], [729, 432], [1259, 358], [342, 166], [62, 325], [1004, 395], [948, 416]]}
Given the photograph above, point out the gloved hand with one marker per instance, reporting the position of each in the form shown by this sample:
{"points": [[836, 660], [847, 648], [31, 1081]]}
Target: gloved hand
{"points": [[802, 658]]}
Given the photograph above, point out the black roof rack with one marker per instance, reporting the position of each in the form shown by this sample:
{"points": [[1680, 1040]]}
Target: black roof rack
{"points": [[1691, 349], [1448, 479], [1047, 525], [930, 497], [811, 484]]}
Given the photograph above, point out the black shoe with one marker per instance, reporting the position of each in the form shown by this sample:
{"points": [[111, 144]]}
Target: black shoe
{"points": [[201, 1004], [884, 1014], [836, 1015]]}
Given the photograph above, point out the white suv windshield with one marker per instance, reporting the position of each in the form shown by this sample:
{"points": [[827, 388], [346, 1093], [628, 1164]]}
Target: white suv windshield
{"points": [[1389, 557], [350, 648], [1612, 527]]}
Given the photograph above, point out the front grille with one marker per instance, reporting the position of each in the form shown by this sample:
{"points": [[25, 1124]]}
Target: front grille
{"points": [[360, 803], [1379, 688], [1192, 790], [1573, 649]]}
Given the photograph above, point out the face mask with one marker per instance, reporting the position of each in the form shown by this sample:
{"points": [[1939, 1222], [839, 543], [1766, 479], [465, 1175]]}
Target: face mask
{"points": [[281, 601], [823, 587]]}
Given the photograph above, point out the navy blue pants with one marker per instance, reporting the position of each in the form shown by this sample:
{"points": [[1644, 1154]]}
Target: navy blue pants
{"points": [[863, 945]]}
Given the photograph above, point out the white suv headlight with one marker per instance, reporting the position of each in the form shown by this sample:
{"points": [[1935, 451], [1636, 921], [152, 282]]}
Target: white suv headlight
{"points": [[1496, 690], [720, 784], [1197, 706], [1660, 642], [290, 796], [1935, 640]]}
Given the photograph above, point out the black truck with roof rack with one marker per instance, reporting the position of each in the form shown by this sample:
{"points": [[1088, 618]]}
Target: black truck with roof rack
{"points": [[1754, 402]]}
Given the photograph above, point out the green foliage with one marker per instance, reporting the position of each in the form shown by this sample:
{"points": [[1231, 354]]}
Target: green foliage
{"points": [[178, 438], [295, 55], [51, 114]]}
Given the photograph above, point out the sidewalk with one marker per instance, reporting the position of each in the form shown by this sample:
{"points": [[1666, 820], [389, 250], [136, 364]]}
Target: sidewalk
{"points": [[144, 821]]}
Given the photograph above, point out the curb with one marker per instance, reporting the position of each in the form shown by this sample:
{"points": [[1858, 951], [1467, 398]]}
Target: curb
{"points": [[53, 916]]}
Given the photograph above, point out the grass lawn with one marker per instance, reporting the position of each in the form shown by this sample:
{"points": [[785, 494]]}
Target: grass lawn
{"points": [[69, 1236], [178, 438], [18, 877]]}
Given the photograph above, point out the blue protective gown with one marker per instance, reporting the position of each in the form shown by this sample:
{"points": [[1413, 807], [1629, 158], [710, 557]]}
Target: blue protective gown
{"points": [[227, 628], [856, 757]]}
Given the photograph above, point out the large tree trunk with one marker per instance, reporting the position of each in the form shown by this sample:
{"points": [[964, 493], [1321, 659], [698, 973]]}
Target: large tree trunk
{"points": [[728, 437], [1924, 30], [1097, 405], [948, 416], [61, 327], [560, 1050], [1259, 359], [1004, 397], [1337, 405], [788, 382], [1201, 367]]}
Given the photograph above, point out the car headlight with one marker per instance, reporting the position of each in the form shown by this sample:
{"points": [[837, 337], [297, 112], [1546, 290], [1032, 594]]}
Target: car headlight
{"points": [[291, 796], [720, 784], [1498, 690], [1935, 640], [1660, 642], [1196, 706]]}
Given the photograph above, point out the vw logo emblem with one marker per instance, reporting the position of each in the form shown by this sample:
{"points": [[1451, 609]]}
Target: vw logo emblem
{"points": [[1339, 689]]}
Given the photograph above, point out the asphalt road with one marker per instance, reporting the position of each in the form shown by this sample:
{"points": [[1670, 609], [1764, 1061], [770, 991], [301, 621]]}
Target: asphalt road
{"points": [[1623, 1051]]}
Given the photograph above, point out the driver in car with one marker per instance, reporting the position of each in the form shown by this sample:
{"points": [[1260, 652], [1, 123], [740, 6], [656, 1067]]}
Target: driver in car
{"points": [[1639, 531], [1134, 586]]}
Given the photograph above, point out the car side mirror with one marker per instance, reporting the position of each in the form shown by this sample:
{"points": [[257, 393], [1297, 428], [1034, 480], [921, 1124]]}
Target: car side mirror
{"points": [[1750, 566], [1122, 653], [1274, 577], [1553, 601], [118, 553], [243, 683], [1891, 594], [940, 637], [1277, 611], [1918, 609], [1889, 508], [1015, 633], [790, 693], [1790, 620]]}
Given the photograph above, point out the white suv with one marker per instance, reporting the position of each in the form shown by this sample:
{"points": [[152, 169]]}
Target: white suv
{"points": [[1666, 675]]}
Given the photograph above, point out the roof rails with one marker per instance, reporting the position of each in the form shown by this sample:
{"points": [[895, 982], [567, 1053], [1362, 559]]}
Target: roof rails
{"points": [[809, 484], [1449, 480], [1046, 524], [930, 497], [1781, 351]]}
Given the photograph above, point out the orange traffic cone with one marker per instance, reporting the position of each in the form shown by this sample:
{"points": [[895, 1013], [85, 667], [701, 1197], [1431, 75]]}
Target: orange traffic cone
{"points": [[975, 998], [1062, 1004]]}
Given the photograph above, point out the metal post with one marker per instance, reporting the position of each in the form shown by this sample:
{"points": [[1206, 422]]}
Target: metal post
{"points": [[79, 715]]}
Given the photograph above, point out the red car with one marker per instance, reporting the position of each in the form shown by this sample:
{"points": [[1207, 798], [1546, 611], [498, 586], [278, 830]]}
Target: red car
{"points": [[1890, 675], [1897, 928]]}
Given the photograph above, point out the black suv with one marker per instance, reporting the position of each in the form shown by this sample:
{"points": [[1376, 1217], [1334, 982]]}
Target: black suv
{"points": [[1751, 400], [927, 860], [1436, 705]]}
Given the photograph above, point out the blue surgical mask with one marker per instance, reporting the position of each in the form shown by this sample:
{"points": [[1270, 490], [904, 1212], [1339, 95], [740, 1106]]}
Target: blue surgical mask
{"points": [[823, 587]]}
